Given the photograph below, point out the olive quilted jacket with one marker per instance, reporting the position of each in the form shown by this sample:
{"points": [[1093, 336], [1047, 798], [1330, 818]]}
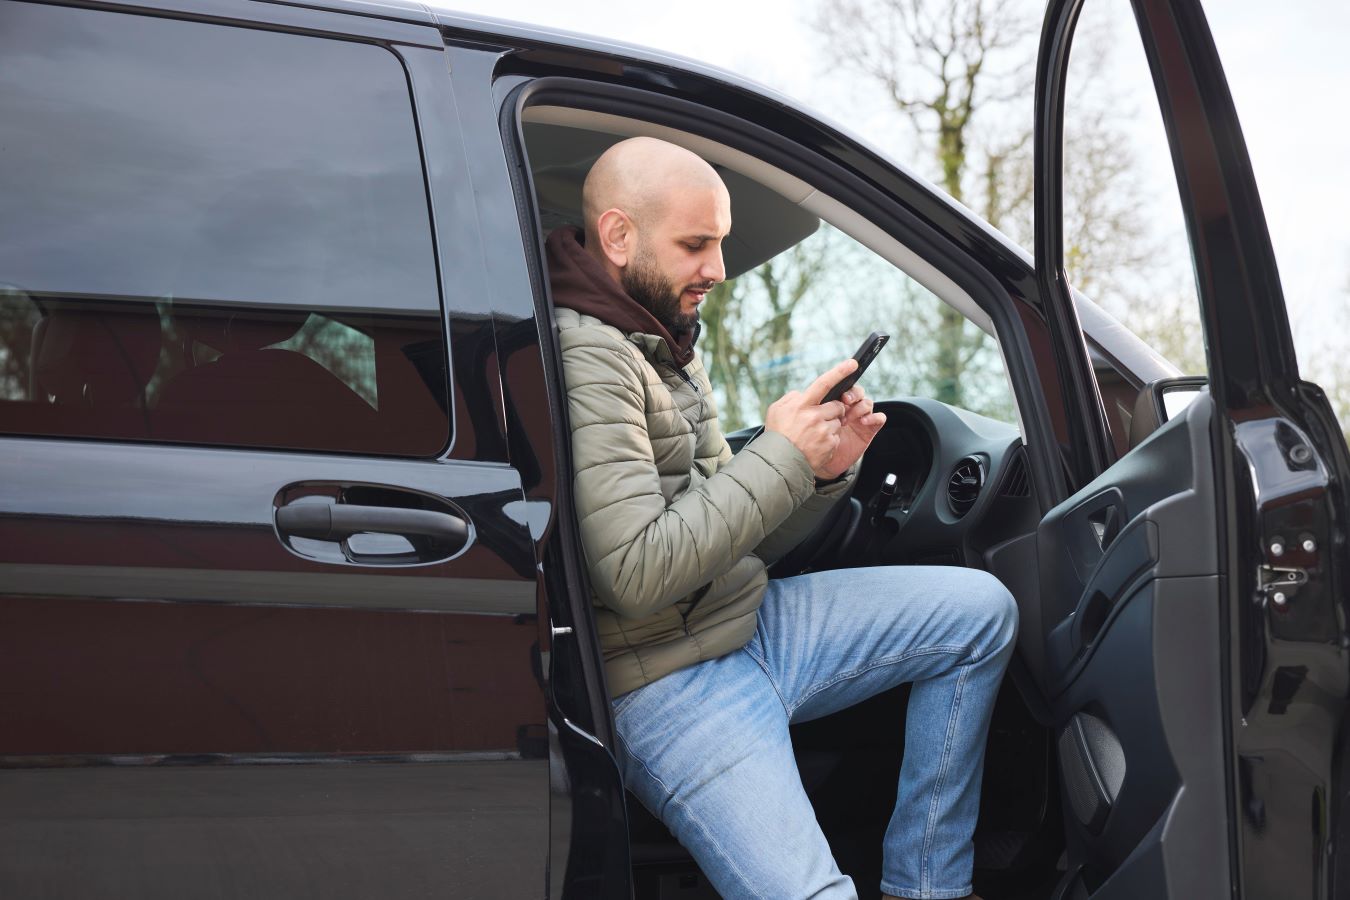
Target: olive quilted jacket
{"points": [[676, 530]]}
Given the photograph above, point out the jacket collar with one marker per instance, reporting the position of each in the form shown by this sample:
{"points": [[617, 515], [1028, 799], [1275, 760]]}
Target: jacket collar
{"points": [[581, 283]]}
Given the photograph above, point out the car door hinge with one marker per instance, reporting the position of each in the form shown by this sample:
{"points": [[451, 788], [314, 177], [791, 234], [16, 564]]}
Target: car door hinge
{"points": [[1278, 584]]}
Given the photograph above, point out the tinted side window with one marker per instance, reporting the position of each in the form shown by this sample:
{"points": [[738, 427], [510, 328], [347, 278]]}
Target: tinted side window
{"points": [[213, 235]]}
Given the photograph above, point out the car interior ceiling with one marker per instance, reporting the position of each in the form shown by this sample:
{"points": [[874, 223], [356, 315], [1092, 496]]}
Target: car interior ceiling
{"points": [[772, 209], [849, 761]]}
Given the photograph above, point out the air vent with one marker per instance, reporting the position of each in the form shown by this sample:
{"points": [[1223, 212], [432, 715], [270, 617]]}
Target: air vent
{"points": [[1016, 483], [963, 487]]}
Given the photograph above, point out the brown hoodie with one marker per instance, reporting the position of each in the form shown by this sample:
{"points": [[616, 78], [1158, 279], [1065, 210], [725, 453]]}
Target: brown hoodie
{"points": [[580, 282]]}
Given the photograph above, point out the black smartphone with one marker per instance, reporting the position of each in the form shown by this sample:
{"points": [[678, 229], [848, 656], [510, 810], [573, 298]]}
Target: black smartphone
{"points": [[866, 353]]}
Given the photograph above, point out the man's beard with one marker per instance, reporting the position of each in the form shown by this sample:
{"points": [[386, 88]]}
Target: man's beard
{"points": [[654, 292]]}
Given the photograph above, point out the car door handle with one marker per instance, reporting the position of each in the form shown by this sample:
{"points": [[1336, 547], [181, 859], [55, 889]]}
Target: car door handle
{"points": [[1106, 524], [339, 521]]}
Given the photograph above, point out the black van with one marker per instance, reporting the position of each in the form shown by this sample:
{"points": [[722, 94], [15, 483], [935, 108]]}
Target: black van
{"points": [[291, 598]]}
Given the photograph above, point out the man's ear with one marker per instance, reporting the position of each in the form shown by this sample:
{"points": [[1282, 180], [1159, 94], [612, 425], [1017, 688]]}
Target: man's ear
{"points": [[618, 236]]}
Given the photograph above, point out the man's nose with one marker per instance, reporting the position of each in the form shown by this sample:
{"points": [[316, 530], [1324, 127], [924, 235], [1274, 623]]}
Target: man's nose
{"points": [[713, 268]]}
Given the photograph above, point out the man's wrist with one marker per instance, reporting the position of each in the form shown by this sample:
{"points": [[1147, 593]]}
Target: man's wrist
{"points": [[826, 482]]}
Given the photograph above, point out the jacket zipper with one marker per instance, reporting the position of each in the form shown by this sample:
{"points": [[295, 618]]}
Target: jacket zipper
{"points": [[687, 380], [703, 591]]}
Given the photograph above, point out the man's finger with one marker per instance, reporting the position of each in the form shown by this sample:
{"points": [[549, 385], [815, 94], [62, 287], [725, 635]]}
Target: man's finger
{"points": [[859, 410], [833, 410], [821, 386], [854, 394]]}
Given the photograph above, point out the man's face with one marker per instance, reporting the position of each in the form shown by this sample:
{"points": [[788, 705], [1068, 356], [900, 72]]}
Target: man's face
{"points": [[679, 256]]}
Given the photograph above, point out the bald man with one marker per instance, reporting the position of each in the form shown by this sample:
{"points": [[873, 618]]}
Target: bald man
{"points": [[707, 660]]}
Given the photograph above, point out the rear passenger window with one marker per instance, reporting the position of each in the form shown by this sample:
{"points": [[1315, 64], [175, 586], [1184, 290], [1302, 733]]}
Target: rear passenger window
{"points": [[213, 235]]}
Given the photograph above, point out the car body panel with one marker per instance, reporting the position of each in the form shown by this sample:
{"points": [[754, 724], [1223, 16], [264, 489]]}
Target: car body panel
{"points": [[200, 704]]}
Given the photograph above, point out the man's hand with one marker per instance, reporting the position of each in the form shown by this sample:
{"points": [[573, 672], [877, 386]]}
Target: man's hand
{"points": [[856, 430], [826, 433]]}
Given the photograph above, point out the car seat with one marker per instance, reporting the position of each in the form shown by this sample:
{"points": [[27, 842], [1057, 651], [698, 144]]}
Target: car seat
{"points": [[254, 393], [95, 355]]}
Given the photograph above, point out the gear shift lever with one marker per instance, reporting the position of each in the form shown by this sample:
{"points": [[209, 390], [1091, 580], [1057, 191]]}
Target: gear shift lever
{"points": [[882, 501]]}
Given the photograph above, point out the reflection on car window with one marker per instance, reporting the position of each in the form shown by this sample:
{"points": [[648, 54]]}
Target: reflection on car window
{"points": [[342, 350], [778, 326], [213, 252]]}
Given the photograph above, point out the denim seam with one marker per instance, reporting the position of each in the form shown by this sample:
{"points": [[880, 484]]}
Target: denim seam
{"points": [[876, 664], [693, 820], [625, 701], [763, 664], [929, 829], [949, 894]]}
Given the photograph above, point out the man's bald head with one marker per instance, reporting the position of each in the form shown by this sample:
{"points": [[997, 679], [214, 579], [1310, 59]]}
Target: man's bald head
{"points": [[656, 216], [643, 176]]}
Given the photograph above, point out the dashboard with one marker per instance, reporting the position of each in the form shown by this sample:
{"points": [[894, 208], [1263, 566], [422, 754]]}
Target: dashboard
{"points": [[939, 485]]}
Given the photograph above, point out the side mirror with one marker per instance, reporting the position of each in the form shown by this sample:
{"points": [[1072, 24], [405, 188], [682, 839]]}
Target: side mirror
{"points": [[1160, 401]]}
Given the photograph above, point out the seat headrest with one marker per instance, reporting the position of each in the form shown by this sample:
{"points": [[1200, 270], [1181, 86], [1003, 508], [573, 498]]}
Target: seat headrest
{"points": [[97, 355], [250, 329]]}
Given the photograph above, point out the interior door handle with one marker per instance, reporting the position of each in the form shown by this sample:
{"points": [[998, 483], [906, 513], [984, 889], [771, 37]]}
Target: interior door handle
{"points": [[1106, 524], [339, 521]]}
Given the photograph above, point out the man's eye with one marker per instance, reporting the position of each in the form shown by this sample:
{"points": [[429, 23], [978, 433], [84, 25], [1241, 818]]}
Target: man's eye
{"points": [[695, 246]]}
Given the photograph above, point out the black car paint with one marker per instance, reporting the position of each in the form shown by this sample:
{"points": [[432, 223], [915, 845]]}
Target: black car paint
{"points": [[188, 696], [505, 362], [1089, 438]]}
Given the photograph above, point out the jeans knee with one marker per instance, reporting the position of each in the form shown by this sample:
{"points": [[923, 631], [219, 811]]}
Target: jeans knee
{"points": [[1000, 612]]}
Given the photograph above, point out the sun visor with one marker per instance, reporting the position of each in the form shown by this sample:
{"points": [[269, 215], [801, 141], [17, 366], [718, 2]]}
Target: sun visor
{"points": [[763, 224]]}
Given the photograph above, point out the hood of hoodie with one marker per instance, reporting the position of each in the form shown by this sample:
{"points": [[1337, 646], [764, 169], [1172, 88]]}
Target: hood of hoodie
{"points": [[581, 283]]}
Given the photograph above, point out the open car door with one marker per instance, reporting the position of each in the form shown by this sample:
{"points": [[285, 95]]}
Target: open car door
{"points": [[1191, 635]]}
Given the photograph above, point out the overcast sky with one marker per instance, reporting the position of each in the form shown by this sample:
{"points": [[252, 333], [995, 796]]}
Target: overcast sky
{"points": [[1287, 67]]}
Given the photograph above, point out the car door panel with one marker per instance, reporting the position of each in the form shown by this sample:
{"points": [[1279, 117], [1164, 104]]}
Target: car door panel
{"points": [[198, 700], [377, 829], [1143, 835], [1220, 677], [1132, 663], [179, 679], [1144, 518]]}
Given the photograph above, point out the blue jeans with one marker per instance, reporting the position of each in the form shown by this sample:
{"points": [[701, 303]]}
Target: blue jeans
{"points": [[706, 748]]}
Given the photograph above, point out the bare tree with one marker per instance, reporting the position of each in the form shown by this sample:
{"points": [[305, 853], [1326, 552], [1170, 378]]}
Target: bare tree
{"points": [[778, 326], [1331, 369], [960, 74], [748, 325], [941, 64], [18, 317]]}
